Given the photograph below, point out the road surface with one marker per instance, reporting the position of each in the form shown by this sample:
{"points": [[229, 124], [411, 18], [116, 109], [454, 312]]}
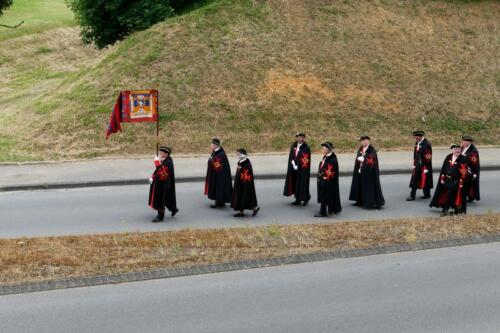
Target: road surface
{"points": [[124, 208], [442, 290]]}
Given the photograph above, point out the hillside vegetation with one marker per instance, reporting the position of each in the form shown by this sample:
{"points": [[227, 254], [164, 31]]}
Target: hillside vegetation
{"points": [[254, 72]]}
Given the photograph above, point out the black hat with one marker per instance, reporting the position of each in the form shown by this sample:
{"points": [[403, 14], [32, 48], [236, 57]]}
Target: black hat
{"points": [[454, 146], [216, 141], [467, 138], [242, 151], [165, 149], [302, 134], [327, 144], [418, 133], [364, 137]]}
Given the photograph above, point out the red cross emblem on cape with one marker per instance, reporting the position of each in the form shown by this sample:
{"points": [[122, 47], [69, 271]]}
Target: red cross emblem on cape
{"points": [[473, 158], [163, 173], [463, 170], [217, 164], [244, 176], [304, 160], [329, 173], [370, 161]]}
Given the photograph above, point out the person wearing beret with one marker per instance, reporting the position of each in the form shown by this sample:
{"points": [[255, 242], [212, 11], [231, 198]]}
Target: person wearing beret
{"points": [[162, 185], [218, 182], [328, 182], [450, 193], [244, 196], [471, 153], [366, 190], [421, 177], [299, 171]]}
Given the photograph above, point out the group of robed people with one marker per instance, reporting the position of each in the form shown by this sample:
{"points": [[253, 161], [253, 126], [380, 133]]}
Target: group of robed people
{"points": [[458, 181]]}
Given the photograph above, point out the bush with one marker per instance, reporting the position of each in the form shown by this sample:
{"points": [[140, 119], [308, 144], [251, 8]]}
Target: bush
{"points": [[4, 4], [104, 22]]}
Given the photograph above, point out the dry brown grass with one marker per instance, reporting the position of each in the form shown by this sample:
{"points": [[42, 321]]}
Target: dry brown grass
{"points": [[260, 70], [34, 259]]}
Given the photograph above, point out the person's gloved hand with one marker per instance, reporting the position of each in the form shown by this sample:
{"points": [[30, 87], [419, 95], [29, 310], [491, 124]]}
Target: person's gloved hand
{"points": [[295, 167], [150, 181], [361, 159], [474, 176], [426, 171]]}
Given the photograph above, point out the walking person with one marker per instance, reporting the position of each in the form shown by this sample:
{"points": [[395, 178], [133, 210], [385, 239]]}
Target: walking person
{"points": [[450, 194], [244, 196], [162, 189], [299, 171], [328, 182], [421, 177], [218, 183], [470, 152], [365, 188]]}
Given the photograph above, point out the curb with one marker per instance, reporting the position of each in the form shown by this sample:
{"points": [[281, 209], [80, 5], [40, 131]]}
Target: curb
{"points": [[99, 280], [142, 181]]}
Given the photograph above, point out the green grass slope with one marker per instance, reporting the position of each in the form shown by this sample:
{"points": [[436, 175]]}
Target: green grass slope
{"points": [[253, 72]]}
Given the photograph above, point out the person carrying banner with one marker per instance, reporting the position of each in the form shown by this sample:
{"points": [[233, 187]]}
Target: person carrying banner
{"points": [[218, 183], [450, 193], [244, 196], [162, 189], [421, 177], [299, 171], [328, 182], [365, 188]]}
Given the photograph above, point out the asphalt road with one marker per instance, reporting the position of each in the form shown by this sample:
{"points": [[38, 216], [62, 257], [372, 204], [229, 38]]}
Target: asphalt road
{"points": [[124, 209], [442, 290]]}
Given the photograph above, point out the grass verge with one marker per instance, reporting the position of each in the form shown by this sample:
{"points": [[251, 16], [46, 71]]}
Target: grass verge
{"points": [[48, 258]]}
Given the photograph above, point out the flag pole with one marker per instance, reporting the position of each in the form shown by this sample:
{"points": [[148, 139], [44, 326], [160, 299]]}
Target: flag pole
{"points": [[157, 123]]}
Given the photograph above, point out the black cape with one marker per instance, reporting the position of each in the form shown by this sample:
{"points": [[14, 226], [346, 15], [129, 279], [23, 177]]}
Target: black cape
{"points": [[472, 156], [297, 181], [365, 187], [422, 160], [328, 184], [162, 190], [218, 183], [450, 191], [244, 196]]}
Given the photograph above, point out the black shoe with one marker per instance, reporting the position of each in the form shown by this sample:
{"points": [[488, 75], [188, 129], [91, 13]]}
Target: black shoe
{"points": [[444, 213], [158, 218], [425, 197], [218, 206], [410, 198], [255, 210], [305, 203], [356, 204], [175, 211], [320, 215], [296, 203], [240, 214]]}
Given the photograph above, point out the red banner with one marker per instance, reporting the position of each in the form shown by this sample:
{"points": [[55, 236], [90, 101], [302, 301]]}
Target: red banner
{"points": [[133, 106]]}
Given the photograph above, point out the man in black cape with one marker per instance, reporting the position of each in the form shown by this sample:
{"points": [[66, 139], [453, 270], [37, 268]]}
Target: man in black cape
{"points": [[471, 153], [421, 177], [299, 171], [162, 189], [244, 196], [365, 188], [450, 191], [218, 183], [328, 182]]}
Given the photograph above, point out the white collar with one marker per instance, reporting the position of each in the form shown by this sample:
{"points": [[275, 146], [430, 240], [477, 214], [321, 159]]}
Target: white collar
{"points": [[243, 160], [329, 154], [216, 149], [423, 138], [465, 149]]}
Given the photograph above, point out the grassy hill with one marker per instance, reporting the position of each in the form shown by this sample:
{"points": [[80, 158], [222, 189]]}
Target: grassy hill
{"points": [[253, 72]]}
